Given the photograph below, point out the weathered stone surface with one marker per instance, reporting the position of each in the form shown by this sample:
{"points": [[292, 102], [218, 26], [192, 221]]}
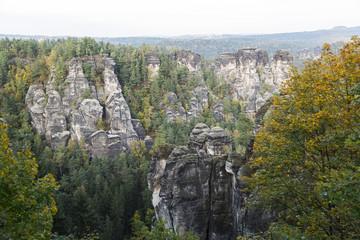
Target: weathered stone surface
{"points": [[99, 144], [219, 142], [198, 190], [187, 58], [76, 84], [60, 139], [307, 54], [84, 121], [251, 77], [68, 114], [280, 66], [171, 98], [199, 99], [118, 114], [149, 142], [55, 119], [219, 112], [191, 188], [199, 136], [174, 110], [35, 102], [139, 128], [153, 64]]}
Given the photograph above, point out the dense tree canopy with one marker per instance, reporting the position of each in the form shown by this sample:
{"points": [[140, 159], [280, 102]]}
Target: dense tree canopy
{"points": [[27, 205], [307, 156]]}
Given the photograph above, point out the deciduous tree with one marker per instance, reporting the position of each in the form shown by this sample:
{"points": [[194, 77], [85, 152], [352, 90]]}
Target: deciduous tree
{"points": [[26, 203], [307, 157]]}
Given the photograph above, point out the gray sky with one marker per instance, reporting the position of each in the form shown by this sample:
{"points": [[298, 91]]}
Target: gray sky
{"points": [[111, 18]]}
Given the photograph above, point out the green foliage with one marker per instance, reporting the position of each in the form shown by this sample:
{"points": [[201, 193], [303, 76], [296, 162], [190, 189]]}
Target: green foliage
{"points": [[27, 205], [102, 124], [307, 155], [98, 197], [141, 230], [86, 94]]}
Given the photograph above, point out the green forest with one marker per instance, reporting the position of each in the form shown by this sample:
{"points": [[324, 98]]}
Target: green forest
{"points": [[306, 159]]}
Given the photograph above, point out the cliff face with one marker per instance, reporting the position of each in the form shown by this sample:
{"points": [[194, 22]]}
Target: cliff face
{"points": [[75, 110], [251, 77], [249, 73], [196, 187]]}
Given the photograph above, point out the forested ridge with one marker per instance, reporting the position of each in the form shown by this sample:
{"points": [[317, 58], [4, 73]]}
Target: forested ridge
{"points": [[100, 196], [109, 198]]}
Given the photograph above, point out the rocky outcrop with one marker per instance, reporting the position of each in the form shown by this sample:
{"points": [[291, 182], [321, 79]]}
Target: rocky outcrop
{"points": [[306, 54], [196, 187], [35, 102], [252, 79], [187, 58], [183, 58], [76, 110], [199, 99], [249, 73], [174, 110], [153, 64]]}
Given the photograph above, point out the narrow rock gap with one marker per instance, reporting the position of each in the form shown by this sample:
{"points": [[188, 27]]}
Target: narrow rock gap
{"points": [[208, 230]]}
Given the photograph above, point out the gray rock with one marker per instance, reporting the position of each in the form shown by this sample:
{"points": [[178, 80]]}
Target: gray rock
{"points": [[84, 121], [139, 128], [219, 142], [61, 114], [174, 110], [191, 188], [60, 139], [251, 77], [118, 114], [99, 141], [280, 66], [199, 136], [187, 58], [198, 190], [103, 144], [35, 103], [171, 98], [199, 99], [76, 84], [173, 114], [153, 64], [149, 142], [219, 112]]}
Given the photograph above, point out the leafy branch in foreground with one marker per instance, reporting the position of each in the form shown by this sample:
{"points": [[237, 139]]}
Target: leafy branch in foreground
{"points": [[27, 205], [307, 156]]}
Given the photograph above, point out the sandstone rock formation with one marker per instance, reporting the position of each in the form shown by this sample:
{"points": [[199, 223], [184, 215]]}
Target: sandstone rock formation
{"points": [[196, 187], [174, 110], [306, 54], [187, 58], [199, 99], [252, 79], [153, 63], [250, 75], [76, 111], [183, 58]]}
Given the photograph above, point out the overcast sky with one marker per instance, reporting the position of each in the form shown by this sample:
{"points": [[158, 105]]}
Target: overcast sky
{"points": [[121, 18]]}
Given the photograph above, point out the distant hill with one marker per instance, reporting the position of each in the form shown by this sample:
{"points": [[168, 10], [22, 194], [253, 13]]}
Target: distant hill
{"points": [[213, 45]]}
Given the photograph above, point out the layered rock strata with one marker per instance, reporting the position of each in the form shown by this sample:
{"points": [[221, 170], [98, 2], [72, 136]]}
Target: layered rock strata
{"points": [[251, 77], [249, 73], [74, 110]]}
